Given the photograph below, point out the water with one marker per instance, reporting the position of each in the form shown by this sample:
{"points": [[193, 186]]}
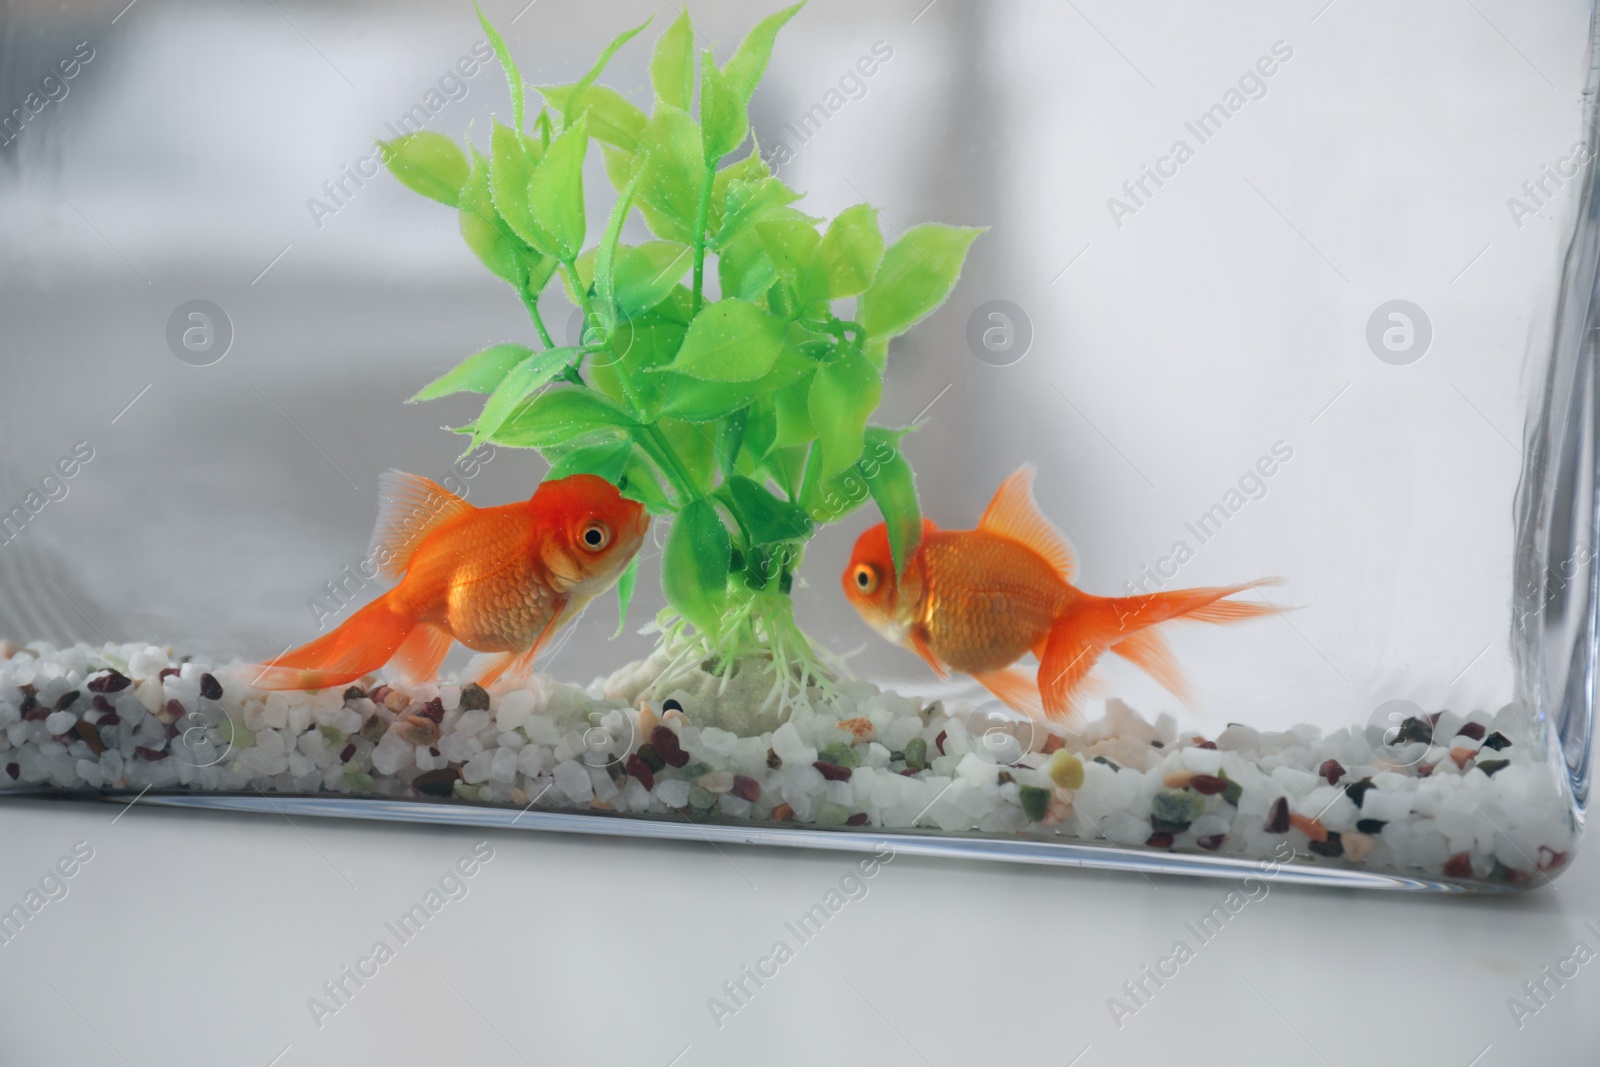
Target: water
{"points": [[1185, 337]]}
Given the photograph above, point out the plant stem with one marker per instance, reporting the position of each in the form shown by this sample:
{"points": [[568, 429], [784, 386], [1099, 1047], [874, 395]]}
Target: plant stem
{"points": [[666, 458], [571, 269], [531, 302], [701, 214]]}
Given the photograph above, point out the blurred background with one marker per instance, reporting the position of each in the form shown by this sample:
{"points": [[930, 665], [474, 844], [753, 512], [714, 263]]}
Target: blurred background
{"points": [[1171, 334]]}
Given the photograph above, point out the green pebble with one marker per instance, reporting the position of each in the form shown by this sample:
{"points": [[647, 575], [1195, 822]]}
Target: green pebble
{"points": [[694, 769], [916, 753], [1233, 791], [359, 780], [1034, 801], [467, 792], [831, 814], [841, 754], [1175, 807], [700, 798], [235, 734], [331, 735]]}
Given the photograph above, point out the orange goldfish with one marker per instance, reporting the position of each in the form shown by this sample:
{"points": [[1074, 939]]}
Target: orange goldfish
{"points": [[978, 600], [499, 580]]}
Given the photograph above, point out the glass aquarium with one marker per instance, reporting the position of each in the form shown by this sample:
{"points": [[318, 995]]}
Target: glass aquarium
{"points": [[1098, 435]]}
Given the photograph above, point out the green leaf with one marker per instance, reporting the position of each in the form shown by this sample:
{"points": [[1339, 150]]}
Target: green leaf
{"points": [[513, 76], [843, 394], [694, 565], [609, 461], [613, 120], [639, 482], [555, 195], [674, 166], [787, 467], [532, 373], [752, 168], [828, 500], [428, 163], [511, 163], [793, 404], [723, 120], [730, 341], [749, 60], [767, 519], [848, 256], [672, 63], [481, 372], [918, 272], [646, 274], [625, 584], [492, 239], [893, 487], [790, 244], [581, 89], [560, 415], [696, 449], [604, 268]]}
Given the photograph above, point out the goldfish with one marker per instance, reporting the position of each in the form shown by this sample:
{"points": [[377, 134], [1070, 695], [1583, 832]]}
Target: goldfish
{"points": [[977, 601], [501, 580]]}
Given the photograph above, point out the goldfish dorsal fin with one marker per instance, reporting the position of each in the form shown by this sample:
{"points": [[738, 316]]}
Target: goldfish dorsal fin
{"points": [[410, 507], [1015, 515]]}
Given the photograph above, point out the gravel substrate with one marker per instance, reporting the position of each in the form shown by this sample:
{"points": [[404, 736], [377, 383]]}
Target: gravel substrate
{"points": [[1454, 796]]}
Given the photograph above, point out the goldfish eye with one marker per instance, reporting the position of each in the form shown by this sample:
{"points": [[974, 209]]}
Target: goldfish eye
{"points": [[866, 578], [595, 536]]}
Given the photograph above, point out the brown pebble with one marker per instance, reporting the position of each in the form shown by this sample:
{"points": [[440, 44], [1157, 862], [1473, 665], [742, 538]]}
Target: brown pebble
{"points": [[90, 735], [746, 788], [102, 704], [434, 709], [168, 672], [1424, 770], [417, 730], [474, 697], [396, 701], [938, 742], [210, 688], [439, 783], [667, 747], [37, 713], [14, 770], [66, 700], [1159, 840], [1556, 859], [1474, 730], [1212, 842], [1200, 742], [1278, 817], [110, 718], [110, 682], [349, 750], [377, 695], [1458, 866], [1177, 779], [149, 753], [1052, 742], [782, 813], [858, 819], [1332, 770], [1208, 785], [832, 771], [1461, 755], [174, 710], [639, 769], [774, 761]]}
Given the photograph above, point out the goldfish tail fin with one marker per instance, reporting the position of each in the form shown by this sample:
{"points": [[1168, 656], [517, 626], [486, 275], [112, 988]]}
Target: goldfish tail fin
{"points": [[1147, 651], [1070, 653], [418, 658], [410, 507], [1015, 690], [363, 643]]}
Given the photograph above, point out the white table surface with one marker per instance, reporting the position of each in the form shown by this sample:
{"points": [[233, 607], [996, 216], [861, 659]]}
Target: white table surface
{"points": [[199, 938]]}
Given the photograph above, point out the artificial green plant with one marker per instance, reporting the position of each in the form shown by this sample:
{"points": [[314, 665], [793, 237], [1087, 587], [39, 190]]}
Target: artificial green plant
{"points": [[744, 415]]}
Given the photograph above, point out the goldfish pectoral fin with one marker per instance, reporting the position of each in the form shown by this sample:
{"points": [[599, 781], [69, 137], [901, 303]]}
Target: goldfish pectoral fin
{"points": [[1064, 669], [486, 670], [410, 507], [918, 641], [360, 645], [1014, 689], [1149, 652], [1014, 514], [418, 658]]}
